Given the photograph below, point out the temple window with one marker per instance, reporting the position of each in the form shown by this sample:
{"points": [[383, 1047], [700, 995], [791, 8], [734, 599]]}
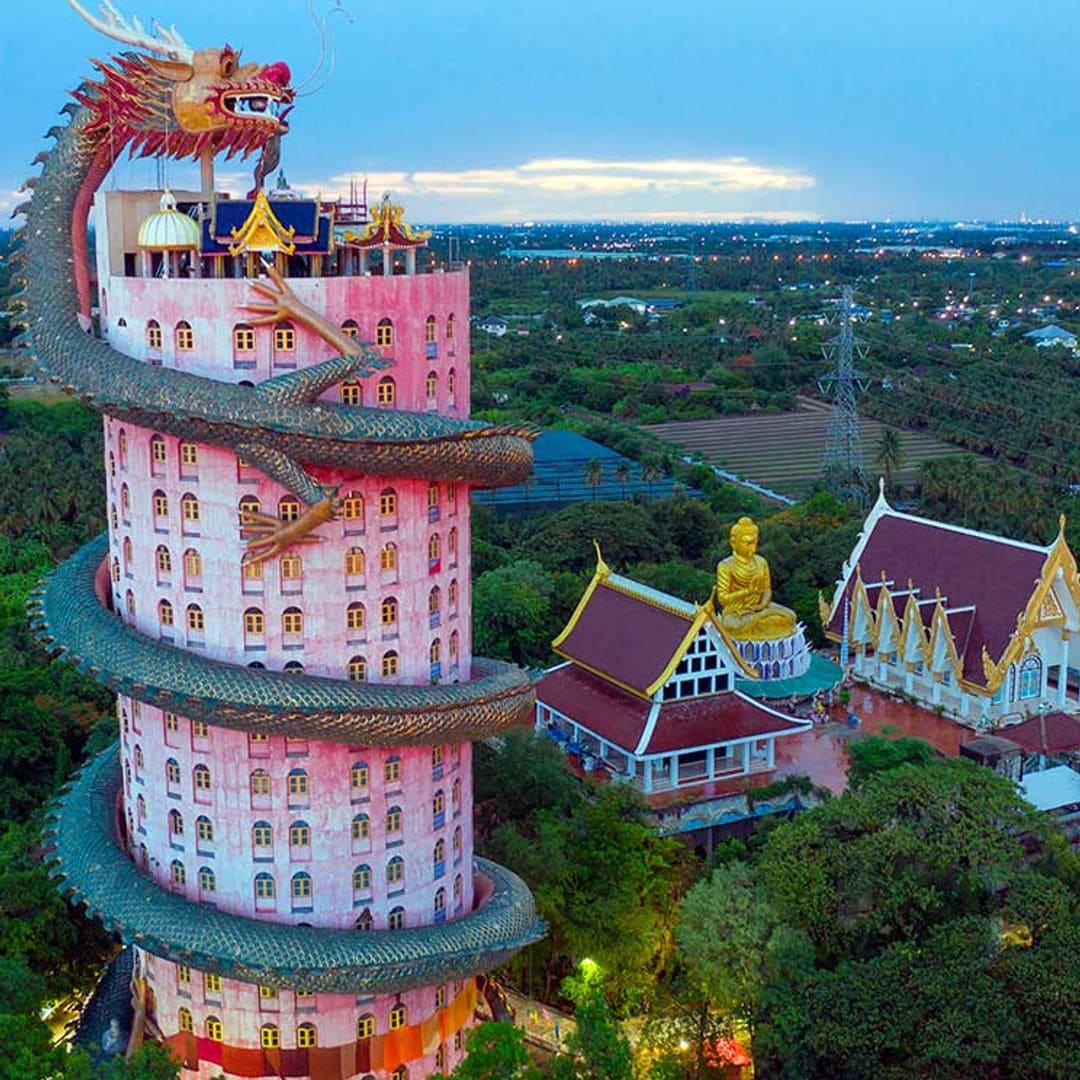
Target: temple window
{"points": [[352, 393], [185, 337], [298, 785], [458, 891], [299, 837], [434, 549], [358, 777], [361, 829], [395, 871], [176, 825], [177, 873], [189, 509], [172, 770], [196, 620], [254, 624], [361, 880], [189, 459], [243, 337], [207, 883], [260, 784], [386, 391], [393, 820], [165, 613], [352, 511], [365, 1026], [392, 769], [454, 647], [434, 605], [389, 664], [112, 465], [183, 1019], [264, 888], [452, 544], [384, 333], [354, 562], [306, 1036], [157, 455], [388, 613], [128, 551], [357, 669], [438, 858], [289, 508], [435, 658], [388, 558], [301, 890], [201, 781], [431, 388], [122, 447], [269, 1037], [215, 1032], [397, 1017], [452, 597], [440, 904], [292, 622], [429, 329], [455, 795], [438, 809], [292, 571], [125, 500], [284, 338], [433, 502], [396, 919], [388, 508], [450, 328], [1030, 678], [451, 387], [262, 837], [355, 617], [192, 569], [204, 832], [350, 328], [153, 335], [451, 497], [248, 505]]}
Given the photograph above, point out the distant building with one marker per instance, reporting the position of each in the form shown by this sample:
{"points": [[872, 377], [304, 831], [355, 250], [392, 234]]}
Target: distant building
{"points": [[493, 324], [1050, 336]]}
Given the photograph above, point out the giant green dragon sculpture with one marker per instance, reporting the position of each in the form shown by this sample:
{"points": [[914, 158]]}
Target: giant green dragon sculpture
{"points": [[180, 103]]}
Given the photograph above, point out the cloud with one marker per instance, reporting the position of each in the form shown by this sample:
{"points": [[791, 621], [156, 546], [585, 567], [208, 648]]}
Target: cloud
{"points": [[668, 189]]}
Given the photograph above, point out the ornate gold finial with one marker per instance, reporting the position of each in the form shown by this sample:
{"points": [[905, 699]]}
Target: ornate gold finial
{"points": [[1061, 524], [990, 670], [602, 568], [824, 610], [262, 231], [937, 591]]}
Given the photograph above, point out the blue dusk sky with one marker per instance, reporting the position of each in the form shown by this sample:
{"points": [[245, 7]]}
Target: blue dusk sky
{"points": [[480, 110]]}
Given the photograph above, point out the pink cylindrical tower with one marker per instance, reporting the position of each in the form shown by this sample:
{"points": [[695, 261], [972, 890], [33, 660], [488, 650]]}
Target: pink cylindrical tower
{"points": [[283, 606]]}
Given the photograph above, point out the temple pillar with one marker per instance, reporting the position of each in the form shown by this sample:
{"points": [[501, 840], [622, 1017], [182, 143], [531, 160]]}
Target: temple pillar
{"points": [[673, 770], [710, 762], [410, 262], [646, 777], [770, 753], [745, 758], [363, 261]]}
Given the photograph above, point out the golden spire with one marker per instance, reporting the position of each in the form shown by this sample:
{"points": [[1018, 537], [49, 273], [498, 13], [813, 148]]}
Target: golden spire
{"points": [[602, 568]]}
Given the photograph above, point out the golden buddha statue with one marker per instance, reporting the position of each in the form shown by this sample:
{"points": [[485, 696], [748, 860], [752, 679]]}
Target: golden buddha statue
{"points": [[744, 591]]}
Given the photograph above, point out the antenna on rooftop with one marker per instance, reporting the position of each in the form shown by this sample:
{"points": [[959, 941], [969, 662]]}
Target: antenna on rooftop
{"points": [[843, 385]]}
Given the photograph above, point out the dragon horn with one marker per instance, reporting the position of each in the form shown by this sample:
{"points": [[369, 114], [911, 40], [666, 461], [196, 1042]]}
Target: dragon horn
{"points": [[112, 24]]}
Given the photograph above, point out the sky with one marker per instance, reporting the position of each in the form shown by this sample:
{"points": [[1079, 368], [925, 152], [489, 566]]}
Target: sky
{"points": [[521, 110]]}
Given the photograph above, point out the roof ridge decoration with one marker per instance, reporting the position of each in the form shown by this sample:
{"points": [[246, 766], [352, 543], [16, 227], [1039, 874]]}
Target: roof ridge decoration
{"points": [[388, 227], [262, 230]]}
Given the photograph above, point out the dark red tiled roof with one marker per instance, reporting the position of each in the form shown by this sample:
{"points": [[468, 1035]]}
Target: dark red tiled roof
{"points": [[716, 719], [995, 575], [624, 637], [607, 711], [619, 718], [1054, 733]]}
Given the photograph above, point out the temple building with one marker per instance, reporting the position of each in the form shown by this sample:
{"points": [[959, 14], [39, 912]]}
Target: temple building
{"points": [[978, 627], [653, 689], [283, 832]]}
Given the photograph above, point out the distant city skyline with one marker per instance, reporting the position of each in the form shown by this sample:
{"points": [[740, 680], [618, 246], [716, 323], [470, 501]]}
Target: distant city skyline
{"points": [[718, 111]]}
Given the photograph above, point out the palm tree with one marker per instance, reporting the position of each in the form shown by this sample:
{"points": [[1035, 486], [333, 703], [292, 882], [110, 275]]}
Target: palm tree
{"points": [[594, 475], [622, 474], [889, 456], [650, 474]]}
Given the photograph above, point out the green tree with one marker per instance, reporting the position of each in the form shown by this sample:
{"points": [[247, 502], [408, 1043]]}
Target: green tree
{"points": [[594, 476], [875, 754], [597, 1048], [889, 455], [496, 1051], [512, 613]]}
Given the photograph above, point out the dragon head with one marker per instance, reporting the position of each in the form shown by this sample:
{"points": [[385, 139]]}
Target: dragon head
{"points": [[181, 101]]}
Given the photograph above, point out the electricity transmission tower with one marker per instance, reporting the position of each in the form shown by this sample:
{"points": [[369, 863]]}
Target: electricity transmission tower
{"points": [[842, 386]]}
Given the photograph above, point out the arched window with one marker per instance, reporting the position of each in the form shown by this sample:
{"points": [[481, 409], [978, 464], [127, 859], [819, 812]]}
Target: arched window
{"points": [[361, 829], [393, 820], [458, 891], [395, 871], [392, 769], [243, 338], [361, 879], [262, 837], [397, 1017], [196, 621], [289, 508], [177, 873], [355, 617], [396, 919], [438, 858], [299, 835], [429, 329], [113, 517], [165, 613], [192, 569], [359, 775], [115, 569], [264, 887], [457, 842], [352, 510], [354, 562], [453, 647], [202, 780], [435, 651], [440, 904], [365, 1026], [352, 393], [189, 458], [292, 622], [125, 500], [450, 328], [161, 505], [204, 831], [451, 387], [434, 606], [389, 664], [153, 335], [172, 769], [176, 825], [388, 558], [183, 1019], [434, 548], [384, 333], [185, 336], [260, 784], [292, 570], [207, 880], [386, 391], [129, 603], [254, 625], [189, 509], [1030, 678], [157, 455], [431, 387], [301, 888], [438, 809], [128, 552], [163, 562], [248, 505], [350, 328], [455, 794], [357, 669], [214, 1030], [298, 785], [388, 613], [284, 338], [452, 544], [306, 1036], [269, 1037]]}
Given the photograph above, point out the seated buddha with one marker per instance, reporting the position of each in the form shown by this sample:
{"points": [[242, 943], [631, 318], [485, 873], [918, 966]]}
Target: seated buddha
{"points": [[744, 591]]}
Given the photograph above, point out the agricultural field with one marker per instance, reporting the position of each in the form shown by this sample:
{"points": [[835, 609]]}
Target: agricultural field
{"points": [[785, 451]]}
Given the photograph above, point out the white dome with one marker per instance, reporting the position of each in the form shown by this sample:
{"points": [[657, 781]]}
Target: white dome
{"points": [[166, 229]]}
